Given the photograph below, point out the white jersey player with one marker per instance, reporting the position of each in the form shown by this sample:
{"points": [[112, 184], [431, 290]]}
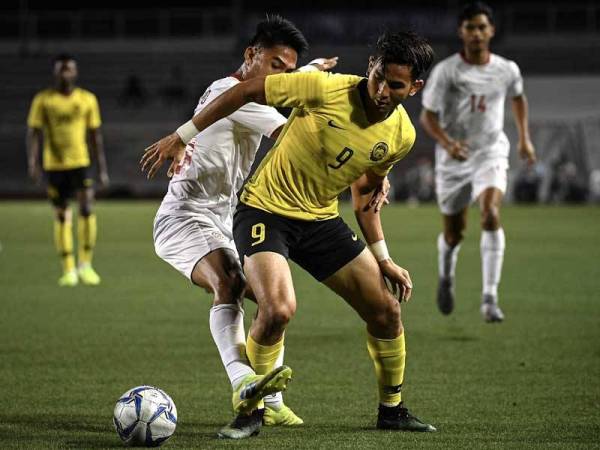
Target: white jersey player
{"points": [[193, 226], [196, 214], [463, 110]]}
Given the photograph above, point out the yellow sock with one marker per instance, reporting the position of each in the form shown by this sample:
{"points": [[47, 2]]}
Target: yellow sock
{"points": [[63, 240], [86, 232], [389, 356], [262, 357]]}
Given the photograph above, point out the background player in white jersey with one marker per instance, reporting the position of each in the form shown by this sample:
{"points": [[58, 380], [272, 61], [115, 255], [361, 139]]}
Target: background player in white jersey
{"points": [[463, 110], [193, 226]]}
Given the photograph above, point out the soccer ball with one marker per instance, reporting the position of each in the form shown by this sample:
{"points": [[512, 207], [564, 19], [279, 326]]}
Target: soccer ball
{"points": [[145, 416]]}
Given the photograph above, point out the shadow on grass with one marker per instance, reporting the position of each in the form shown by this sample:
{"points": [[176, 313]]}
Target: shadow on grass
{"points": [[89, 431], [457, 338], [77, 431]]}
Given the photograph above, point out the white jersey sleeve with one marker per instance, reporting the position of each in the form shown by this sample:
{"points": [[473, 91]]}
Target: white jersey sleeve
{"points": [[219, 159], [515, 87], [259, 118], [436, 88]]}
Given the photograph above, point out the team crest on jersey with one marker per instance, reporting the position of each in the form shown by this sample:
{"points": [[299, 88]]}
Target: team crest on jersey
{"points": [[379, 151], [218, 236]]}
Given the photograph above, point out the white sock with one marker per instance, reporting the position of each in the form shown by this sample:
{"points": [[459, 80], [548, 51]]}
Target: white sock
{"points": [[492, 254], [227, 329], [447, 257], [276, 400]]}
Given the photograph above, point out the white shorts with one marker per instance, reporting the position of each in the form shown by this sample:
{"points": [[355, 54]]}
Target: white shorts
{"points": [[457, 190], [182, 241]]}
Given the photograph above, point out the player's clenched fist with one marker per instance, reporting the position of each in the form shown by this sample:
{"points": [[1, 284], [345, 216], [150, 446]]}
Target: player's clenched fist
{"points": [[457, 150], [527, 151], [168, 148]]}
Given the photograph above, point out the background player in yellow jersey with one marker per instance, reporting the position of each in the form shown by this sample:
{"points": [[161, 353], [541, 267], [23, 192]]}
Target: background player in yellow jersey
{"points": [[64, 116], [344, 131]]}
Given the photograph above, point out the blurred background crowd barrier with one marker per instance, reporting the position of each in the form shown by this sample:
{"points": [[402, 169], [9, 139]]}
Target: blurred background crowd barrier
{"points": [[149, 66]]}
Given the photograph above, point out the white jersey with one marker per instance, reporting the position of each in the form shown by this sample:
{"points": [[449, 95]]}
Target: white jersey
{"points": [[219, 159], [469, 100]]}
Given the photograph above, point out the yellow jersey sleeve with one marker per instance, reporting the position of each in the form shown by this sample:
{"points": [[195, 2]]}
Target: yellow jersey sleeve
{"points": [[35, 119], [303, 90], [93, 118]]}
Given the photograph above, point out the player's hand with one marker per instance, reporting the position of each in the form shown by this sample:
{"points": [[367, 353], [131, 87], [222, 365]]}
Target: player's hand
{"points": [[103, 179], [324, 63], [399, 278], [169, 148], [379, 197], [35, 172], [527, 151], [457, 150]]}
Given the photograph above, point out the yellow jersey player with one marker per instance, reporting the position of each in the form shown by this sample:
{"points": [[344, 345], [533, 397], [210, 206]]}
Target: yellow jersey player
{"points": [[345, 131], [63, 117]]}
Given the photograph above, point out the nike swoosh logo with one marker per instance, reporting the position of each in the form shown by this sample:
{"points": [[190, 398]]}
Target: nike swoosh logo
{"points": [[333, 125]]}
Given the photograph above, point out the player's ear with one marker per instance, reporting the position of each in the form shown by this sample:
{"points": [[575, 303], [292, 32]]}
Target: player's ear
{"points": [[492, 31], [249, 54], [417, 85]]}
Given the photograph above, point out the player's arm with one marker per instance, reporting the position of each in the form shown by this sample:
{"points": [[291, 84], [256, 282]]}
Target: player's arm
{"points": [[520, 109], [298, 90], [322, 65], [431, 124], [173, 145], [369, 221], [33, 142], [97, 146]]}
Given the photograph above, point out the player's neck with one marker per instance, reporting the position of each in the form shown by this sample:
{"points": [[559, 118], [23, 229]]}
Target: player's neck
{"points": [[65, 89], [242, 73], [477, 58]]}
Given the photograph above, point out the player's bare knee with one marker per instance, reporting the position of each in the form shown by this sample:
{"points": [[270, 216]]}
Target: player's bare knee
{"points": [[63, 214], [238, 283], [278, 316], [387, 318], [490, 218], [229, 287], [85, 210], [392, 315], [454, 238]]}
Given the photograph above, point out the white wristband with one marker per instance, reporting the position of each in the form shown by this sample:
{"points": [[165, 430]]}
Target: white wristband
{"points": [[380, 250], [308, 68], [312, 66], [187, 131]]}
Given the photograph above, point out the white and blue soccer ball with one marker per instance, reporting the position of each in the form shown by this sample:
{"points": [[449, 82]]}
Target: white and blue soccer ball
{"points": [[145, 416]]}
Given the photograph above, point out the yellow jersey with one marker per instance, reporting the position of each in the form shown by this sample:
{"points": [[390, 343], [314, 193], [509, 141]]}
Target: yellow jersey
{"points": [[65, 120], [326, 145]]}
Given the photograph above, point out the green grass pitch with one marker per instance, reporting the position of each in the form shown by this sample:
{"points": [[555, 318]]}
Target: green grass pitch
{"points": [[532, 382]]}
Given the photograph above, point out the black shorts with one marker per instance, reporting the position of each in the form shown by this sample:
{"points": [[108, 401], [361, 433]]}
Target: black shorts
{"points": [[319, 247], [62, 184]]}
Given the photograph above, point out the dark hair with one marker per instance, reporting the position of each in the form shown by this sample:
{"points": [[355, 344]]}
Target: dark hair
{"points": [[63, 57], [471, 10], [275, 30], [406, 49]]}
